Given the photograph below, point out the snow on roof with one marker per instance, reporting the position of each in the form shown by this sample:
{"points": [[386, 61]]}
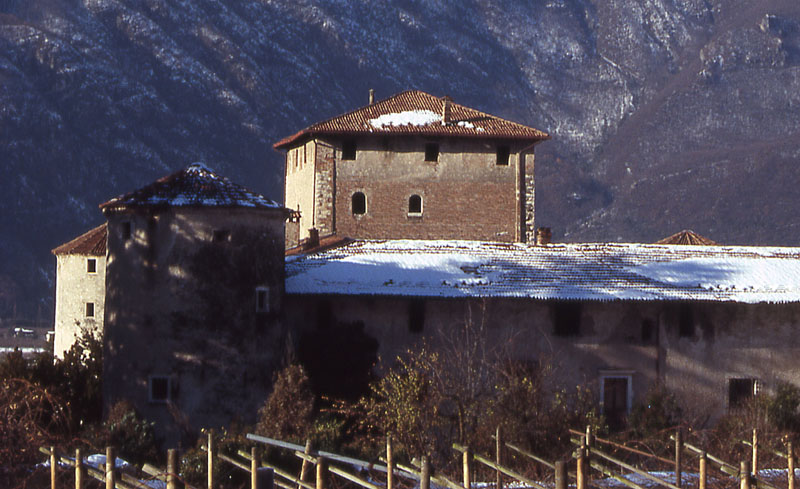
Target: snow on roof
{"points": [[196, 185], [406, 118], [588, 271]]}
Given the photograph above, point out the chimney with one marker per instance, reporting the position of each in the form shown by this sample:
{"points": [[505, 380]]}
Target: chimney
{"points": [[543, 236], [371, 96], [446, 110], [313, 239]]}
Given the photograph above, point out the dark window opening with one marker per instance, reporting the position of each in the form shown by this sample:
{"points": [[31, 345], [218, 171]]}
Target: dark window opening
{"points": [[262, 299], [685, 322], [359, 204], [126, 230], [740, 391], [386, 143], [349, 150], [415, 204], [503, 153], [416, 316], [90, 309], [159, 389], [566, 318], [615, 401], [648, 332], [91, 265], [220, 235], [432, 152], [325, 317]]}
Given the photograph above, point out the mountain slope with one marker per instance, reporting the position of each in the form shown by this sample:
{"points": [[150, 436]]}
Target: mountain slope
{"points": [[665, 114]]}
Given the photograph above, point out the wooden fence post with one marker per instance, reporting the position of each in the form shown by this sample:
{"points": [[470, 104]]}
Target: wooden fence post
{"points": [[425, 480], [744, 475], [111, 463], [790, 463], [322, 469], [498, 460], [211, 449], [389, 462], [306, 465], [561, 475], [754, 465], [467, 463], [580, 473], [53, 467], [586, 442], [78, 469], [703, 470], [255, 462], [678, 457], [172, 468]]}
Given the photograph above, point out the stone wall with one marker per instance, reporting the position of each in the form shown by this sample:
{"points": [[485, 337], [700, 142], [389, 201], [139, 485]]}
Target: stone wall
{"points": [[181, 309], [695, 354], [75, 287]]}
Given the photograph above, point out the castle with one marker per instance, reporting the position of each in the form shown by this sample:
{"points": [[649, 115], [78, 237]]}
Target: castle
{"points": [[406, 216]]}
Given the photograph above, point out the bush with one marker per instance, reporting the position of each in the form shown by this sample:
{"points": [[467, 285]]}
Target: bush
{"points": [[288, 413], [658, 411], [133, 435]]}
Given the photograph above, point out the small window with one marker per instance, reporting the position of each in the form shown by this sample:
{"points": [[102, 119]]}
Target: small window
{"points": [[649, 332], [503, 152], [686, 322], [90, 309], [159, 388], [432, 152], [220, 235], [262, 299], [359, 204], [91, 265], [416, 316], [415, 205], [126, 230], [566, 318], [349, 150], [740, 391]]}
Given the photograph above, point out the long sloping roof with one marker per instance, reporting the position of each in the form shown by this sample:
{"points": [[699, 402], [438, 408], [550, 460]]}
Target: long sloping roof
{"points": [[194, 186], [90, 243], [416, 112], [598, 272]]}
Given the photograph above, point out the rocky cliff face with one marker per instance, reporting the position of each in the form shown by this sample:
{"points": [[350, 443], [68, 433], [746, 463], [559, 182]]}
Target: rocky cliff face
{"points": [[665, 114]]}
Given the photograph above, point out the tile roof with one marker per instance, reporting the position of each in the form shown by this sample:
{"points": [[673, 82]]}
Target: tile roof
{"points": [[194, 186], [91, 243], [686, 237], [416, 112], [590, 271]]}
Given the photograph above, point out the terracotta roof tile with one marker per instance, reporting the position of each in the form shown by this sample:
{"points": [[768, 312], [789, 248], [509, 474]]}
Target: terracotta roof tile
{"points": [[91, 243], [416, 112], [194, 186]]}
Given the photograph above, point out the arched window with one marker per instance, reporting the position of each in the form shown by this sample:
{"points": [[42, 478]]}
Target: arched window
{"points": [[359, 204], [415, 205]]}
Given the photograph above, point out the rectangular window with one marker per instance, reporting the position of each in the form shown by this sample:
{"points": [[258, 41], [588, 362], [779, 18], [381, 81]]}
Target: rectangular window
{"points": [[262, 299], [416, 315], [566, 318], [91, 265], [159, 388], [432, 152], [741, 391], [220, 235], [90, 309], [349, 150], [503, 152], [126, 230]]}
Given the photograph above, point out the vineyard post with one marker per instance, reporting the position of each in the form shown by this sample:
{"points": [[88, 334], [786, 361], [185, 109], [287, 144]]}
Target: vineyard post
{"points": [[678, 453], [790, 462], [467, 463], [703, 470], [389, 462], [498, 451], [306, 465], [561, 475], [111, 462], [78, 469], [53, 467], [755, 451], [172, 468], [255, 462], [744, 475], [322, 470], [425, 481], [211, 450], [580, 475]]}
